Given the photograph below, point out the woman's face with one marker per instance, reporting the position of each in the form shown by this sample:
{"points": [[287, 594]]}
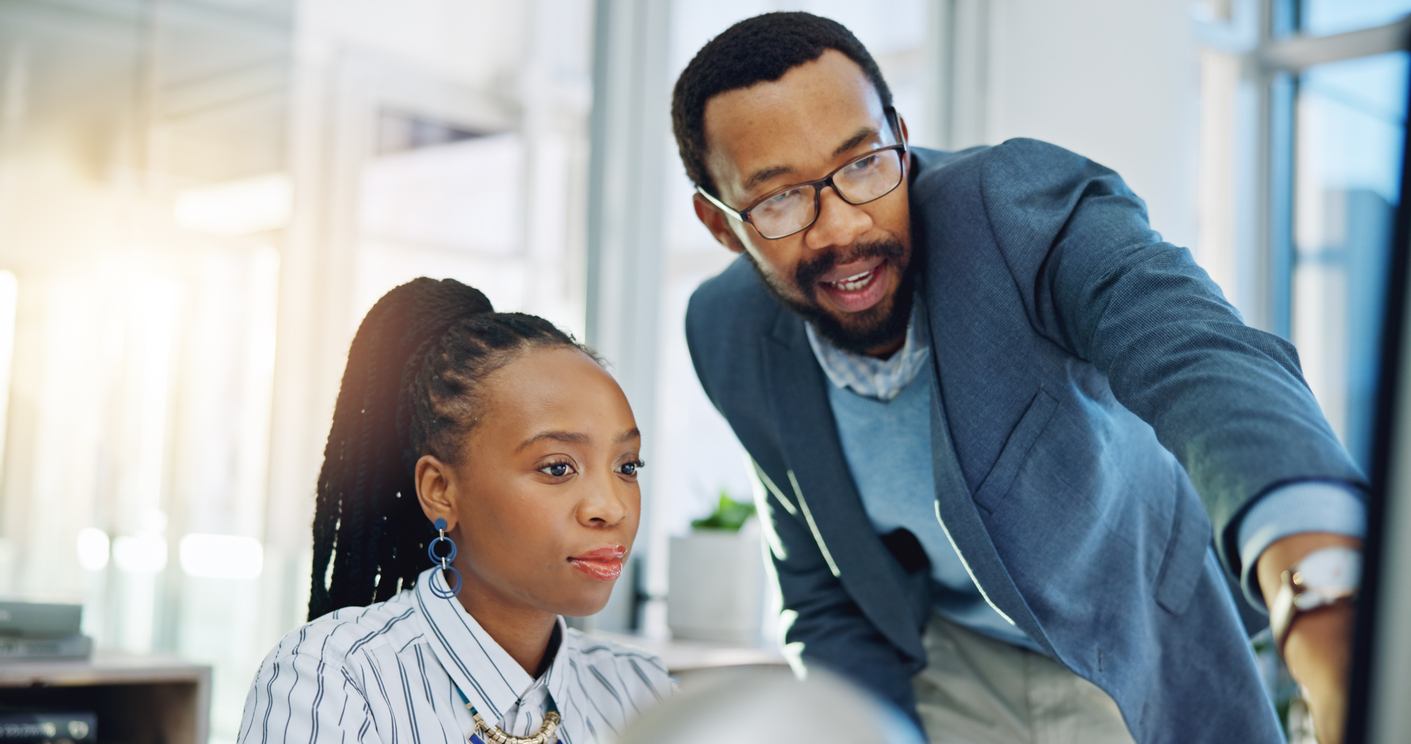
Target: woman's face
{"points": [[545, 487]]}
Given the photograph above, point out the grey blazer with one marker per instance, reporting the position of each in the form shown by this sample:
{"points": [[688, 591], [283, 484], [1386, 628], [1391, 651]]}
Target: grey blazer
{"points": [[1099, 405]]}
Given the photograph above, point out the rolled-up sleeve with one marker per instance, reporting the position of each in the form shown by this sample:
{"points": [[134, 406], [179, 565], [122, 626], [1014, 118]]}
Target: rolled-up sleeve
{"points": [[1290, 510]]}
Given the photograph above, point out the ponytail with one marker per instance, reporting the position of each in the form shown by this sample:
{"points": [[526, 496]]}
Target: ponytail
{"points": [[409, 389]]}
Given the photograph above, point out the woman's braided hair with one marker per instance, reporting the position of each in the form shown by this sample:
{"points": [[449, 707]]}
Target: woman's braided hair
{"points": [[410, 388]]}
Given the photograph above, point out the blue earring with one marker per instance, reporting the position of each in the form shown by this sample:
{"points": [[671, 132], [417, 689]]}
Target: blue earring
{"points": [[444, 561]]}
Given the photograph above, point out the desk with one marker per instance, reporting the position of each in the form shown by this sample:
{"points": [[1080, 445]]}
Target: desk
{"points": [[138, 699], [691, 657]]}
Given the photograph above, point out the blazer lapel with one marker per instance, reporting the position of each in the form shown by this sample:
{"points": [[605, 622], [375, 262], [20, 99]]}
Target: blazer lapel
{"points": [[955, 504], [820, 482]]}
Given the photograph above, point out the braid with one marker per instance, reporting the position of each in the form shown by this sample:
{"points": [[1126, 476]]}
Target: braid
{"points": [[409, 389]]}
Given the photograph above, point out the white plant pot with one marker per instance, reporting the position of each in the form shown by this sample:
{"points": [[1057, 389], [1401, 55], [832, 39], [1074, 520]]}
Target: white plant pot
{"points": [[716, 586]]}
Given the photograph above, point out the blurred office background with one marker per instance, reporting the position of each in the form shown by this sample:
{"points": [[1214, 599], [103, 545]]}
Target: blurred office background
{"points": [[200, 198]]}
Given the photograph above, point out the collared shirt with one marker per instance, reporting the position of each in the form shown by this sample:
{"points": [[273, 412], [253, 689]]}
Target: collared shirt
{"points": [[882, 379], [395, 671]]}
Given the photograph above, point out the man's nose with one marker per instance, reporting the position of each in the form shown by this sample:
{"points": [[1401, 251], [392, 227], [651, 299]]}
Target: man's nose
{"points": [[839, 223]]}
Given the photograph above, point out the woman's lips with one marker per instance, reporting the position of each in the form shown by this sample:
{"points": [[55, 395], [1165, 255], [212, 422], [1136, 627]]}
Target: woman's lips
{"points": [[600, 570], [603, 564]]}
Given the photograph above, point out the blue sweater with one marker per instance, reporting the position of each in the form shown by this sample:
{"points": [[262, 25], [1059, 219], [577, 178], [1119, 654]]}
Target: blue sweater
{"points": [[888, 448]]}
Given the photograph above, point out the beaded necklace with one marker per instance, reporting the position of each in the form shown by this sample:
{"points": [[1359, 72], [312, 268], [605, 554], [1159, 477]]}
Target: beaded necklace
{"points": [[483, 730]]}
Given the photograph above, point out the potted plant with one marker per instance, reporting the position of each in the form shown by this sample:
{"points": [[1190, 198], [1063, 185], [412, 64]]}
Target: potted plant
{"points": [[716, 577]]}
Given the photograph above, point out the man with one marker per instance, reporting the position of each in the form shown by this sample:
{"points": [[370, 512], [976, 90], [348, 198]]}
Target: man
{"points": [[986, 403]]}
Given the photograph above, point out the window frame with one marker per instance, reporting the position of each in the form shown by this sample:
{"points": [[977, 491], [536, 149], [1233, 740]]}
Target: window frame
{"points": [[1264, 36]]}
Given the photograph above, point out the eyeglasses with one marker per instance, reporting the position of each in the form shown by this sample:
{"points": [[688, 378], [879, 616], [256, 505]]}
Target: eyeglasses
{"points": [[795, 208]]}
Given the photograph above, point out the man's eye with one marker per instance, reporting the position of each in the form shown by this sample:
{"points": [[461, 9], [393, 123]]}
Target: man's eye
{"points": [[866, 163], [782, 198]]}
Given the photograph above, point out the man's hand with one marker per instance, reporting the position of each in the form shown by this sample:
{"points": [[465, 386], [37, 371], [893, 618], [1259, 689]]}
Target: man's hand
{"points": [[1319, 648]]}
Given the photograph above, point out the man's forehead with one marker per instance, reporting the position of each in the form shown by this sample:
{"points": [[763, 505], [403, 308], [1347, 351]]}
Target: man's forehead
{"points": [[795, 122]]}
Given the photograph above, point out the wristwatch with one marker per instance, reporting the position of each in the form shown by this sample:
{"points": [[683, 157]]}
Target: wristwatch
{"points": [[1323, 578]]}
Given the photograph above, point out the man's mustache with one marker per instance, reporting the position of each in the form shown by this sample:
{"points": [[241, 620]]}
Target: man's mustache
{"points": [[808, 273]]}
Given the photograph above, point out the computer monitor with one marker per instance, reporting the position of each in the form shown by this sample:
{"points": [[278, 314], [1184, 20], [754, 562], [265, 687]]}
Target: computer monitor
{"points": [[1379, 704]]}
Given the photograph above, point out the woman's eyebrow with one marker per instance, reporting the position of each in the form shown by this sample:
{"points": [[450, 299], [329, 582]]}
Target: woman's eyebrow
{"points": [[571, 437], [576, 437]]}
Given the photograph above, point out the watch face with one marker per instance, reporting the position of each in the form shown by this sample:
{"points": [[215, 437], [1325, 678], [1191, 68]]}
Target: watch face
{"points": [[1326, 574]]}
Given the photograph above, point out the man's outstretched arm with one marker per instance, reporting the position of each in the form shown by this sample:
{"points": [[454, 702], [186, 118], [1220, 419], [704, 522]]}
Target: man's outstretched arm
{"points": [[1228, 400]]}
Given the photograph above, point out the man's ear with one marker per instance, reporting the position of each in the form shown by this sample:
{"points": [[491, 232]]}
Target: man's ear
{"points": [[717, 223], [901, 124], [435, 491]]}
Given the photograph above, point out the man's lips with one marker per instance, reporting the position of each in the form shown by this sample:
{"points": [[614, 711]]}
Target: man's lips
{"points": [[851, 271], [604, 564], [856, 287]]}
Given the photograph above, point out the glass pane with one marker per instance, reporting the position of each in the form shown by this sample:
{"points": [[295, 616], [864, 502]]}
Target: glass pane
{"points": [[1350, 118], [193, 218], [1336, 16]]}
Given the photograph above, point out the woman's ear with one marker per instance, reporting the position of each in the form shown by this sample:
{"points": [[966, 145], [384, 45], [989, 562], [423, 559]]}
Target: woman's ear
{"points": [[435, 490]]}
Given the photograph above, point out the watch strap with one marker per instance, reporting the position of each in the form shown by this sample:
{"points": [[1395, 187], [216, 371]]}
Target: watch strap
{"points": [[1299, 594]]}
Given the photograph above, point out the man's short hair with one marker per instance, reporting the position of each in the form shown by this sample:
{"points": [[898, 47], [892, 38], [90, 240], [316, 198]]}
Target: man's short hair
{"points": [[755, 50]]}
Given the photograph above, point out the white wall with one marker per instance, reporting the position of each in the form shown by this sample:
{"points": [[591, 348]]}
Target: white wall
{"points": [[1115, 80]]}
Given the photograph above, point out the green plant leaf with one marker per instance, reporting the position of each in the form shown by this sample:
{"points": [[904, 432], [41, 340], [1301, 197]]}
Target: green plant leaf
{"points": [[729, 515]]}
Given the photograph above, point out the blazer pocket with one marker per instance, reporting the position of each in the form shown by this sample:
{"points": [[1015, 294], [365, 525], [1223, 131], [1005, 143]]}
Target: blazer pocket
{"points": [[1184, 562], [1016, 449]]}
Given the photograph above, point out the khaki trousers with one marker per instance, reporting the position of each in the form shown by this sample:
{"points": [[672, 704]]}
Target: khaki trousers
{"points": [[977, 690]]}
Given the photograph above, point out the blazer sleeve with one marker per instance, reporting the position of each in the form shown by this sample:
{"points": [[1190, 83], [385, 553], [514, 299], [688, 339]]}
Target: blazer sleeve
{"points": [[823, 626], [1228, 400]]}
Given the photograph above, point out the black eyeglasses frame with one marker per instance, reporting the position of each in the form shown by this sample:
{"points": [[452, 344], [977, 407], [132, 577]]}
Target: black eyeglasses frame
{"points": [[743, 215]]}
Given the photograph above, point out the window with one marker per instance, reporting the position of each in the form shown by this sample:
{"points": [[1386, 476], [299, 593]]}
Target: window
{"points": [[1321, 17], [198, 202], [1348, 122], [1302, 139]]}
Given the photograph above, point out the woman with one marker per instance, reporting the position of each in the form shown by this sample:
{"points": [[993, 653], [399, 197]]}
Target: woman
{"points": [[479, 482]]}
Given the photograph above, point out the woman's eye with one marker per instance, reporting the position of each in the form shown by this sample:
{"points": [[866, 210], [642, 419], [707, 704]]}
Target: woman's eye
{"points": [[557, 469], [631, 468]]}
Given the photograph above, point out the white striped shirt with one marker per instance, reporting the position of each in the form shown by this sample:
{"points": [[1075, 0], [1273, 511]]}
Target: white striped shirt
{"points": [[389, 673]]}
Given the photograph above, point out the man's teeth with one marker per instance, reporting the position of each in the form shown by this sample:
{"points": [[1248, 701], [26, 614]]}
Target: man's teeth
{"points": [[854, 282]]}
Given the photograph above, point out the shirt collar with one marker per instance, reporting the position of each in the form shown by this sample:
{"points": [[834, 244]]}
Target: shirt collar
{"points": [[483, 671], [557, 678], [883, 379]]}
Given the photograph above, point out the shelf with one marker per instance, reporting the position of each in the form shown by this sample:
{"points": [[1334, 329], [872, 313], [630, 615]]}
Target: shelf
{"points": [[138, 699]]}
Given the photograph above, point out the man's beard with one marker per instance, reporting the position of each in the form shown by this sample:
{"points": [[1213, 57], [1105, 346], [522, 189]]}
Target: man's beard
{"points": [[880, 325]]}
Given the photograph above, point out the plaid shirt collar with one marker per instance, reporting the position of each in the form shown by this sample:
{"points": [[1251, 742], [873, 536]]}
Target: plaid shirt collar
{"points": [[882, 379]]}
